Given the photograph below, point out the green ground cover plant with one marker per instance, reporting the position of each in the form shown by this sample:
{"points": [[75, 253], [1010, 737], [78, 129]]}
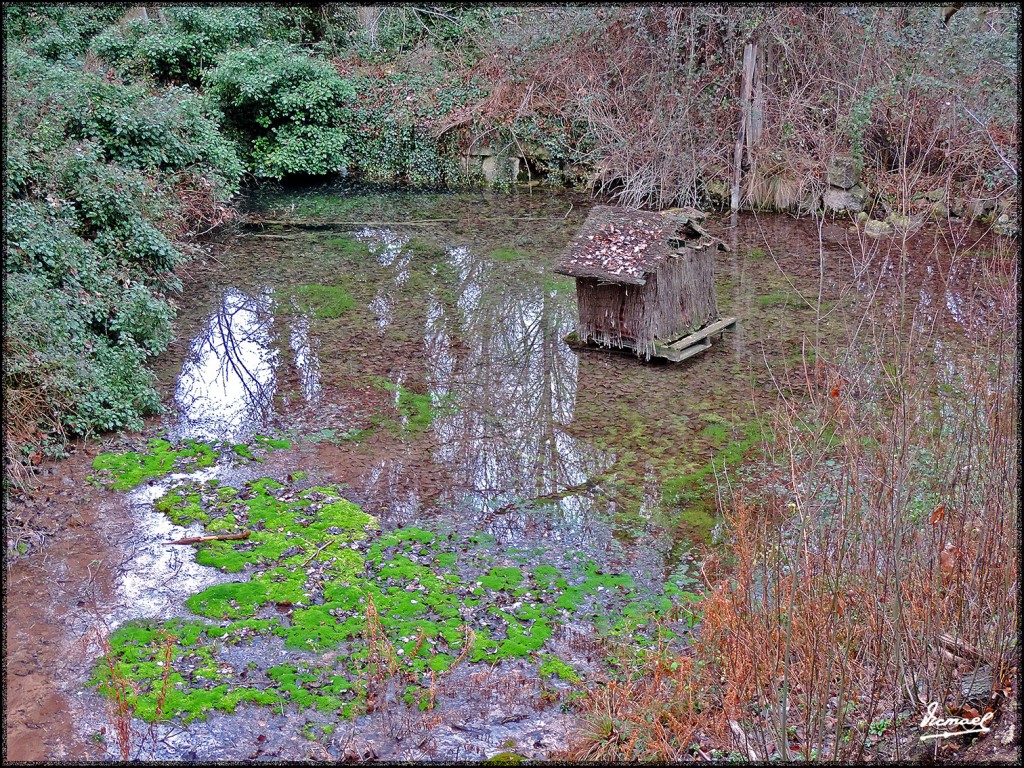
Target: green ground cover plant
{"points": [[318, 575], [107, 186]]}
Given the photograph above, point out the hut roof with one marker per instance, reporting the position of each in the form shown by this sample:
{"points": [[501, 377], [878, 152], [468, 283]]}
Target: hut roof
{"points": [[623, 245]]}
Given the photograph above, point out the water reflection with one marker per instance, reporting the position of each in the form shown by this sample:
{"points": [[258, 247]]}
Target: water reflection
{"points": [[233, 371], [498, 349], [307, 362]]}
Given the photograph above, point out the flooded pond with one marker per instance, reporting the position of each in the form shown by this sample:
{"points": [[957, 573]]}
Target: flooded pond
{"points": [[448, 512]]}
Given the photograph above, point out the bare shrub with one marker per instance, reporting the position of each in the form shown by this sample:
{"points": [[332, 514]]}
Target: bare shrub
{"points": [[649, 94]]}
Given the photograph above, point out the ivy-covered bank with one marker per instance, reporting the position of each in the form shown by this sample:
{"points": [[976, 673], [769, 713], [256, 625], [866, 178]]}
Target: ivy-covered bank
{"points": [[313, 574], [109, 185], [128, 137]]}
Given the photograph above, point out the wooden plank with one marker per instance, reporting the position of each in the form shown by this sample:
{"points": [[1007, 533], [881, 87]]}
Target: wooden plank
{"points": [[677, 356], [693, 338]]}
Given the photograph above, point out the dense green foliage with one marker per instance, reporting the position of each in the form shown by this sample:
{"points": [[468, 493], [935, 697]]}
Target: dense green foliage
{"points": [[183, 48], [95, 224], [58, 32], [284, 107], [394, 122]]}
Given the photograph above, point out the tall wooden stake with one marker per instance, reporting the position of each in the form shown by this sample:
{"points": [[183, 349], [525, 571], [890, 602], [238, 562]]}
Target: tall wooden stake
{"points": [[749, 59]]}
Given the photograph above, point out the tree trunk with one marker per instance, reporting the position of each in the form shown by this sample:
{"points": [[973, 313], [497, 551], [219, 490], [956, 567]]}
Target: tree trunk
{"points": [[369, 17]]}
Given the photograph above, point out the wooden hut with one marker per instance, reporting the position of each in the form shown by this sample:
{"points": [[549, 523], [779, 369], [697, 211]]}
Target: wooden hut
{"points": [[645, 282]]}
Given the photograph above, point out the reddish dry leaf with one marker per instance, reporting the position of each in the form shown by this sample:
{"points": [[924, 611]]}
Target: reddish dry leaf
{"points": [[948, 558]]}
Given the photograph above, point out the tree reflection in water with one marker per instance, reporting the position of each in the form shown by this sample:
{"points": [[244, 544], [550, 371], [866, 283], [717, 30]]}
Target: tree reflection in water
{"points": [[227, 384], [494, 347], [307, 362]]}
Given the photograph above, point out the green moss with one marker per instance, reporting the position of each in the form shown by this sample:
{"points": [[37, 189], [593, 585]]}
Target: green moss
{"points": [[716, 433], [552, 665], [126, 470], [182, 508], [699, 519], [325, 301], [243, 450], [689, 488], [271, 444], [504, 758], [316, 562], [508, 254], [502, 578]]}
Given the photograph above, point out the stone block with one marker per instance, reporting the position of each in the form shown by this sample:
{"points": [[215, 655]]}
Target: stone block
{"points": [[497, 168], [874, 228], [837, 200], [843, 172]]}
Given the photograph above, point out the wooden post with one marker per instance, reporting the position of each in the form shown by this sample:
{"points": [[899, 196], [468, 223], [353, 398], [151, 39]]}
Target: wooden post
{"points": [[749, 59], [755, 123]]}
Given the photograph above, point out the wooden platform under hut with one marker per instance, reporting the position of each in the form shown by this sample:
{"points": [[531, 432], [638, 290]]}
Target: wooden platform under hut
{"points": [[645, 282]]}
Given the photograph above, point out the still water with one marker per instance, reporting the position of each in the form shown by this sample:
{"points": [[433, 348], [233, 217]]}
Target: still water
{"points": [[412, 344]]}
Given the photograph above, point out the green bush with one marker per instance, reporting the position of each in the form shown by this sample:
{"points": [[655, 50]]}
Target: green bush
{"points": [[58, 32], [88, 382], [189, 42], [284, 107], [51, 107], [93, 228]]}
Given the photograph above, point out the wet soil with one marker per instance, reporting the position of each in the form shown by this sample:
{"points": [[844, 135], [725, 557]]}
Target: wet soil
{"points": [[454, 299]]}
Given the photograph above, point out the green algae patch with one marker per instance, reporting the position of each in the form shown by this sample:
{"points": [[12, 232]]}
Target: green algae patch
{"points": [[348, 246], [689, 489], [324, 301], [782, 299], [127, 470], [316, 575], [423, 249], [508, 254], [416, 411], [553, 284]]}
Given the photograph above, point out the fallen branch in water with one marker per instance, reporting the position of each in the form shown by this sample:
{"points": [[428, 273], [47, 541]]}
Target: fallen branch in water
{"points": [[415, 222], [219, 537]]}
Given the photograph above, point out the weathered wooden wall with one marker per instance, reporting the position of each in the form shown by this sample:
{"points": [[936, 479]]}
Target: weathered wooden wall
{"points": [[677, 299]]}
